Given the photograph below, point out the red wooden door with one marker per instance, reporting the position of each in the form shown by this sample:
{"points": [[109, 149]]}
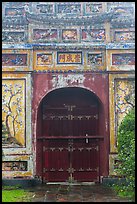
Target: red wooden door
{"points": [[85, 160], [68, 151], [55, 160]]}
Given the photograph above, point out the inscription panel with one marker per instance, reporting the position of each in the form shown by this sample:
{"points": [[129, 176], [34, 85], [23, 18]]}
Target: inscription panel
{"points": [[69, 57]]}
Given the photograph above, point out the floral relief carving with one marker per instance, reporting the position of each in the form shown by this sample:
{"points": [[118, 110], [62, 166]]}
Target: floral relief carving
{"points": [[13, 112]]}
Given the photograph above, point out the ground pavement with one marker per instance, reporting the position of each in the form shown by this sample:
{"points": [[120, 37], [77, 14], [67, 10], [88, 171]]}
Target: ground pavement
{"points": [[75, 193]]}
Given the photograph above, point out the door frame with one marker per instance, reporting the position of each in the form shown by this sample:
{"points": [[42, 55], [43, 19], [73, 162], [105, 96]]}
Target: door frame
{"points": [[103, 143]]}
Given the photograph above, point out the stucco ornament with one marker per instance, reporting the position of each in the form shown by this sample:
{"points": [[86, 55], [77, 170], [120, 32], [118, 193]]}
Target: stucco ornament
{"points": [[67, 80]]}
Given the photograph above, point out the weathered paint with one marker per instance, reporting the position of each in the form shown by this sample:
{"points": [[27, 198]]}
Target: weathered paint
{"points": [[22, 152], [25, 67], [125, 67], [63, 33], [43, 84], [112, 101]]}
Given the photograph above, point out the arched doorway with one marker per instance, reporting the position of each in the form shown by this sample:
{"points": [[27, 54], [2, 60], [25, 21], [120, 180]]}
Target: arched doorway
{"points": [[69, 127]]}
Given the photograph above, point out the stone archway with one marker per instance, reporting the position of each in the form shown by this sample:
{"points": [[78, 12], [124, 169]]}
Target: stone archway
{"points": [[69, 134]]}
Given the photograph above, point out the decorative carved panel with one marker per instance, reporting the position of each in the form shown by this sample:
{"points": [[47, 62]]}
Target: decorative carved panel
{"points": [[124, 36], [95, 59], [69, 35], [71, 8], [14, 166], [123, 59], [123, 87], [93, 34], [45, 8], [13, 112], [45, 34], [44, 59], [14, 59], [8, 36], [93, 7], [14, 11]]}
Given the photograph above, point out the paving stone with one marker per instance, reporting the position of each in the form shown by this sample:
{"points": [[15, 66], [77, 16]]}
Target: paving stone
{"points": [[67, 193]]}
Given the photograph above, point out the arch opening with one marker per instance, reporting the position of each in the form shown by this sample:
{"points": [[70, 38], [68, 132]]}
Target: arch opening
{"points": [[68, 130]]}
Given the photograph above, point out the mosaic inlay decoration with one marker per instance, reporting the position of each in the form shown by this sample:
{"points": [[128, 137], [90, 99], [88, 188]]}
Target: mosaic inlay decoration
{"points": [[14, 166], [69, 57], [45, 34], [13, 112], [122, 89], [125, 36], [47, 9], [14, 59], [69, 34], [44, 59], [93, 34], [123, 59], [70, 8], [13, 36], [14, 11], [93, 8], [95, 59]]}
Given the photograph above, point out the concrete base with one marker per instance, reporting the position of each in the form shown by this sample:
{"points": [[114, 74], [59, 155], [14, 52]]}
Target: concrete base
{"points": [[110, 181], [21, 182]]}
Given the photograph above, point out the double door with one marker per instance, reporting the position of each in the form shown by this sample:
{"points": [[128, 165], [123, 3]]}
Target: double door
{"points": [[70, 160], [69, 151]]}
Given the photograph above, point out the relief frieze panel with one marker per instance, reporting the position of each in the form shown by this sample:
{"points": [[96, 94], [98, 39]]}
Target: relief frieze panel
{"points": [[14, 11], [95, 59], [123, 59], [45, 8], [11, 36], [124, 10], [44, 59], [71, 8], [45, 34], [124, 36], [14, 60], [93, 35], [14, 166], [93, 7], [69, 35]]}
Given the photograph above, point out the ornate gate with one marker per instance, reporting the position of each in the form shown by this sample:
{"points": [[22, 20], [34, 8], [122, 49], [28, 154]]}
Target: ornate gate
{"points": [[70, 146]]}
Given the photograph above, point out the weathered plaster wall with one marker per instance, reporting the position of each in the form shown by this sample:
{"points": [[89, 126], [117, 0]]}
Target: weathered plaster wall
{"points": [[20, 110], [119, 86]]}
